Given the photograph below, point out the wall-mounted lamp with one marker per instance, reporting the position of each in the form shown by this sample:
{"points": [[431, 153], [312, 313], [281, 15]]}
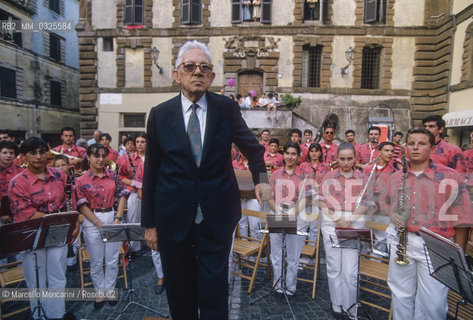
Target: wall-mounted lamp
{"points": [[154, 57], [349, 55]]}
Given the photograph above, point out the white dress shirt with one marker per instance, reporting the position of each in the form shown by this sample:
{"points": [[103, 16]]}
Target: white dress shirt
{"points": [[201, 113]]}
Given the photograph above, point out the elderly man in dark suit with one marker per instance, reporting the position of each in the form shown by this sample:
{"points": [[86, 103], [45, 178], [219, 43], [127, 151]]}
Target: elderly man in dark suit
{"points": [[191, 201]]}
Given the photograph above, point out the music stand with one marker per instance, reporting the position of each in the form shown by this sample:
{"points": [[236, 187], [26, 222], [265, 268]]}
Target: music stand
{"points": [[127, 232], [49, 231], [282, 224], [447, 264], [352, 238]]}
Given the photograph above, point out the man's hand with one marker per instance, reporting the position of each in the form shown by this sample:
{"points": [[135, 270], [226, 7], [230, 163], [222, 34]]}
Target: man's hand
{"points": [[151, 237], [263, 192], [6, 219]]}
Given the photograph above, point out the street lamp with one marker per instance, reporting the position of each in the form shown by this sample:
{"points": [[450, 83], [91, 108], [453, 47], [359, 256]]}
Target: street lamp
{"points": [[349, 55], [154, 57]]}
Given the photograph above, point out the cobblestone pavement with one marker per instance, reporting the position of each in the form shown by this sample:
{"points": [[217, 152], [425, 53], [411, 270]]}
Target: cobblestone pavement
{"points": [[242, 305]]}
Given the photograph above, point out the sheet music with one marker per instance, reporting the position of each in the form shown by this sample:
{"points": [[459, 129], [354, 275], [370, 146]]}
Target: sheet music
{"points": [[447, 257]]}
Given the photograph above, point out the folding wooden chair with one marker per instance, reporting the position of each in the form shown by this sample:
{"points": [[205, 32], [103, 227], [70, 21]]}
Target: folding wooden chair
{"points": [[311, 250], [84, 270], [245, 247], [374, 273], [11, 274]]}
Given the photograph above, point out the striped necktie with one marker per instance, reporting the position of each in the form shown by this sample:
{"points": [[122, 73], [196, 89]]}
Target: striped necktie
{"points": [[193, 131]]}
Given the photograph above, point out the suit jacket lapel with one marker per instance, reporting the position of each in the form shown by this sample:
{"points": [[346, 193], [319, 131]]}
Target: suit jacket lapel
{"points": [[211, 125], [176, 122]]}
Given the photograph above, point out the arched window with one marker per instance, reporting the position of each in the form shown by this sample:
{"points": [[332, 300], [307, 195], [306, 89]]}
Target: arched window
{"points": [[370, 67]]}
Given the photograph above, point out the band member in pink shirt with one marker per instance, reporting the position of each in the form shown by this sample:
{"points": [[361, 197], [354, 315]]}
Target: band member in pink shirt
{"points": [[96, 192], [37, 191], [444, 153], [272, 158]]}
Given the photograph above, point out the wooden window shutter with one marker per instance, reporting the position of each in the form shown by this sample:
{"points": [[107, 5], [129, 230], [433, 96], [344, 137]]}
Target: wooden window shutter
{"points": [[371, 11], [185, 14], [195, 13], [266, 11], [236, 11], [129, 12]]}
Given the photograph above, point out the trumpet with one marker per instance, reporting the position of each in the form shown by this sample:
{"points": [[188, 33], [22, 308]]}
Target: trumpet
{"points": [[52, 154], [362, 193]]}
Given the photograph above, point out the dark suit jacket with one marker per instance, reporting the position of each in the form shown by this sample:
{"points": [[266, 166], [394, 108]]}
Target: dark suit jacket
{"points": [[173, 185]]}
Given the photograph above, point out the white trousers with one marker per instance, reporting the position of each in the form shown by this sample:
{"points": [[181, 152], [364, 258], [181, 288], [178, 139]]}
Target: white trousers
{"points": [[133, 215], [100, 252], [250, 223], [342, 265], [415, 294], [293, 252], [157, 263], [51, 274]]}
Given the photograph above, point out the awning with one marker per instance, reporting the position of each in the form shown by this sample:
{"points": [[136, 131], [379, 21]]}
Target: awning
{"points": [[459, 119]]}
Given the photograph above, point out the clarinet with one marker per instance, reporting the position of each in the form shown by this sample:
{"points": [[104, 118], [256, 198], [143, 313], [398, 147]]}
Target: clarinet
{"points": [[131, 165], [69, 183], [117, 185], [404, 212]]}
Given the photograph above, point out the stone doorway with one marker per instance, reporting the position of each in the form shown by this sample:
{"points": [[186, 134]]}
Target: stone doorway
{"points": [[250, 80]]}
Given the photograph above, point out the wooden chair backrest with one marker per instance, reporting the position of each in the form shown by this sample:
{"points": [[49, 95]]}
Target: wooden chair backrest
{"points": [[253, 213], [376, 225]]}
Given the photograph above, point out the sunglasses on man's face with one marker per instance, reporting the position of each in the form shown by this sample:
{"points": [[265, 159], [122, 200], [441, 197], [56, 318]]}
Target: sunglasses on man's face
{"points": [[190, 67], [329, 132]]}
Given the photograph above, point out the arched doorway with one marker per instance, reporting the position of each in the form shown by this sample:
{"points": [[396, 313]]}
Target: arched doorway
{"points": [[250, 80]]}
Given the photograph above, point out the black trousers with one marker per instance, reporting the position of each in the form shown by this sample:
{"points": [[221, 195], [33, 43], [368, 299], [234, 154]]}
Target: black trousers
{"points": [[196, 275]]}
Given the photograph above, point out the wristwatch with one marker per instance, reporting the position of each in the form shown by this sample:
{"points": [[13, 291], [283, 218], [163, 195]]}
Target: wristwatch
{"points": [[119, 218]]}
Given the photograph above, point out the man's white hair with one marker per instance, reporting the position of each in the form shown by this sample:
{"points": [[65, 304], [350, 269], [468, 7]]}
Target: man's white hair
{"points": [[194, 44]]}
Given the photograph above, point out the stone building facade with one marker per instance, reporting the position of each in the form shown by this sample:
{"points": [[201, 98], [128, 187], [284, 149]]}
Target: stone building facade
{"points": [[369, 61], [459, 118], [39, 76]]}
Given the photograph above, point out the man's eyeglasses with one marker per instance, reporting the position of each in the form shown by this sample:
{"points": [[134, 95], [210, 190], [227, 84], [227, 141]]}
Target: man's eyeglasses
{"points": [[190, 67], [329, 133]]}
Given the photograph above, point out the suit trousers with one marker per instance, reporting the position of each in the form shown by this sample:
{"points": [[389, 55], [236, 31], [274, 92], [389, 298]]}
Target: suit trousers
{"points": [[51, 274], [196, 273], [100, 252], [415, 293], [133, 215]]}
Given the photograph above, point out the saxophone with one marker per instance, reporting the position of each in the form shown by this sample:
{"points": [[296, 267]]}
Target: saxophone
{"points": [[404, 212]]}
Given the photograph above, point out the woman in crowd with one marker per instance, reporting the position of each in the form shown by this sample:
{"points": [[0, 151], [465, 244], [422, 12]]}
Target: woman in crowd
{"points": [[314, 161], [290, 177], [337, 193], [96, 197], [40, 190]]}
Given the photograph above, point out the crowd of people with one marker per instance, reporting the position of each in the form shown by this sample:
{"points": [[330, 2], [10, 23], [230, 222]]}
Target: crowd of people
{"points": [[329, 178], [95, 181]]}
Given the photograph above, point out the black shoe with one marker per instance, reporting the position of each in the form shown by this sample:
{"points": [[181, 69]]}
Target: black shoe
{"points": [[339, 315], [71, 268], [159, 289], [113, 302], [69, 316], [99, 305]]}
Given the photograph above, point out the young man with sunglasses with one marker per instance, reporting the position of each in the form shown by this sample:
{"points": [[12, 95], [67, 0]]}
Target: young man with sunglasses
{"points": [[329, 148], [191, 201]]}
